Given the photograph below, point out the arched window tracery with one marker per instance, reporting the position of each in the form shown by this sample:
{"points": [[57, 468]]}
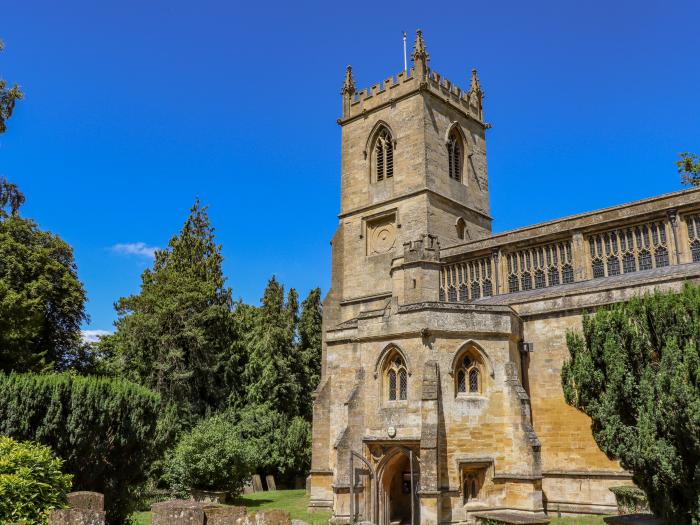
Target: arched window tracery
{"points": [[396, 375], [468, 375]]}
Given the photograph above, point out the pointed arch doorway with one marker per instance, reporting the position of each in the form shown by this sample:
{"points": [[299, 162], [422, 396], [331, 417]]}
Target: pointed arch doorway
{"points": [[399, 477]]}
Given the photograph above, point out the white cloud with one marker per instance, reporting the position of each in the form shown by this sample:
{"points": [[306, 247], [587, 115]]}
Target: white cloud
{"points": [[92, 336], [135, 248]]}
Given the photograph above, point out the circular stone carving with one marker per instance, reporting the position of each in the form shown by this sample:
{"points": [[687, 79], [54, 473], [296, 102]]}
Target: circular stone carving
{"points": [[383, 238]]}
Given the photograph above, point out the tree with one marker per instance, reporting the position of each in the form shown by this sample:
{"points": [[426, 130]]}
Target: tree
{"points": [[8, 99], [10, 198], [172, 335], [635, 370], [42, 301], [270, 371], [233, 364], [689, 168], [310, 341]]}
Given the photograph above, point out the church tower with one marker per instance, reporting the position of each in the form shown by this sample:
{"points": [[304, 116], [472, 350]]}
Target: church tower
{"points": [[413, 171]]}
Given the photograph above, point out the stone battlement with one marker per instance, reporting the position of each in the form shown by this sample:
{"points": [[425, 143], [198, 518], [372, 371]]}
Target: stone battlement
{"points": [[407, 83]]}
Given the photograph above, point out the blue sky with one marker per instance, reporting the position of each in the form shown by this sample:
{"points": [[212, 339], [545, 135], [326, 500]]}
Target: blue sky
{"points": [[135, 108]]}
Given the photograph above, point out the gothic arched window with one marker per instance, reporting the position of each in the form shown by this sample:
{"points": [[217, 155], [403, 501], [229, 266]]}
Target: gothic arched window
{"points": [[455, 155], [383, 155], [468, 376], [396, 376]]}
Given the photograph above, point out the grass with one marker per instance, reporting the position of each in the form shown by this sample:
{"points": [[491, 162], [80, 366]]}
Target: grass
{"points": [[293, 501], [296, 501]]}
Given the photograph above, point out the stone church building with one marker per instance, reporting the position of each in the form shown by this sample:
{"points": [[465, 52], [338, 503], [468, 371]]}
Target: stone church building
{"points": [[441, 396]]}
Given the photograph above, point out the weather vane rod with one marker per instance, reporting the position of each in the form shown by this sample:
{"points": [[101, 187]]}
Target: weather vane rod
{"points": [[405, 63]]}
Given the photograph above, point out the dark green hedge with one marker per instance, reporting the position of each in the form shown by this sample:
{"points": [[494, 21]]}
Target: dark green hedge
{"points": [[104, 429]]}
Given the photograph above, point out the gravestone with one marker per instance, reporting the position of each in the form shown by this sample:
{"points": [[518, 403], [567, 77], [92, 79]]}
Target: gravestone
{"points": [[77, 517], [271, 517], [257, 483], [248, 487], [224, 515], [180, 512], [270, 480], [86, 500]]}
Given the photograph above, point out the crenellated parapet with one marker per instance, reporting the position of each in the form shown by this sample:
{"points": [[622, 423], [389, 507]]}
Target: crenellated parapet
{"points": [[418, 78]]}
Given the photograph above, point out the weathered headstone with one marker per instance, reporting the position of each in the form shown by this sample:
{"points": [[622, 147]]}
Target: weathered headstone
{"points": [[86, 500], [257, 483], [77, 517], [270, 480], [308, 484], [180, 512], [224, 515], [272, 517], [248, 487]]}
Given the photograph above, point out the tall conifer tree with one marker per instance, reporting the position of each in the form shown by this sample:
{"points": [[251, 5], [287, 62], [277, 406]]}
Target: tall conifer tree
{"points": [[173, 335], [310, 349], [270, 370]]}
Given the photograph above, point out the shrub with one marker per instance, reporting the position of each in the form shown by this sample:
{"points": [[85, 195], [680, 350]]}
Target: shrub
{"points": [[635, 371], [209, 457], [630, 500], [31, 482], [104, 429]]}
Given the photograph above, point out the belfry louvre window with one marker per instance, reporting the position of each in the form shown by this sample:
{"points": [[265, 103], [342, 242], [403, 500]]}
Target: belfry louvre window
{"points": [[455, 155], [466, 281], [383, 155], [540, 267], [396, 379], [628, 250], [693, 223]]}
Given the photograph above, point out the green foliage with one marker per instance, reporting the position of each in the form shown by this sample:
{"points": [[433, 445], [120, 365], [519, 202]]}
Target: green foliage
{"points": [[310, 341], [209, 457], [689, 168], [635, 370], [42, 302], [275, 443], [104, 429], [630, 500], [10, 198], [8, 99], [31, 482], [271, 371], [173, 335]]}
